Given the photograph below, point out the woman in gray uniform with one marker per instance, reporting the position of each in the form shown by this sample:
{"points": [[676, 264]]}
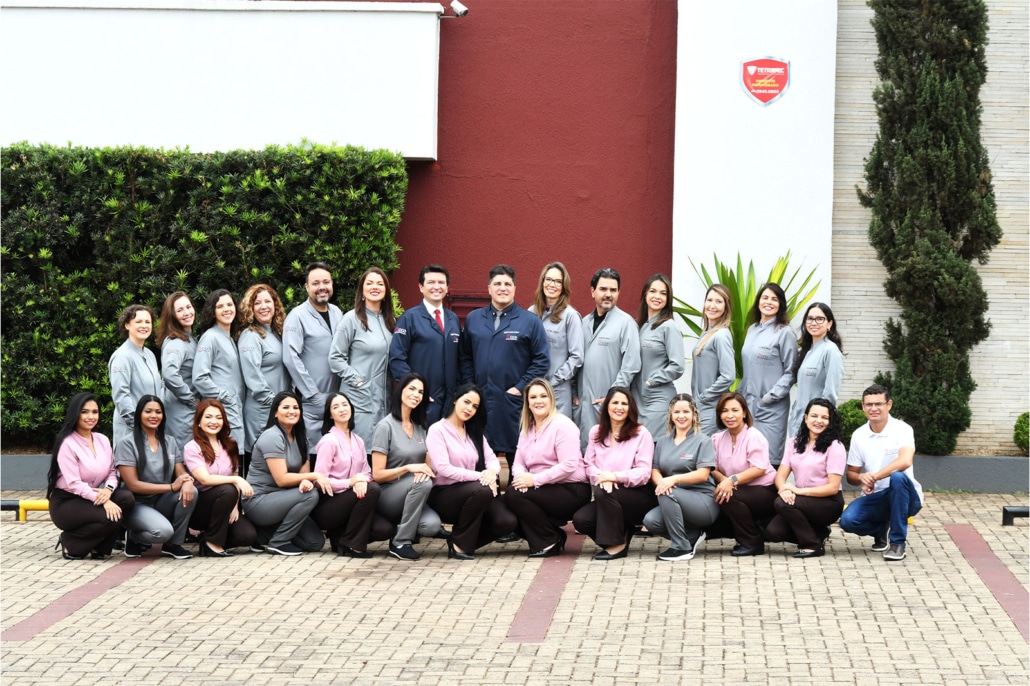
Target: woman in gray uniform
{"points": [[361, 350], [819, 368], [661, 354], [400, 467], [715, 365], [768, 356], [216, 368], [261, 358], [564, 327], [132, 369], [178, 348], [285, 489], [151, 466]]}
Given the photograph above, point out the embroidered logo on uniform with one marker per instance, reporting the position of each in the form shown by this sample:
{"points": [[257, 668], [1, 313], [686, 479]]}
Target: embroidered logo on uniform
{"points": [[602, 340], [402, 332], [685, 456], [511, 335], [454, 338]]}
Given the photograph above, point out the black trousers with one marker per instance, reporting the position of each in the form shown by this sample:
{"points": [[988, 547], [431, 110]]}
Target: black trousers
{"points": [[740, 516], [352, 521], [211, 518], [478, 517], [611, 516], [84, 526], [807, 521], [543, 510]]}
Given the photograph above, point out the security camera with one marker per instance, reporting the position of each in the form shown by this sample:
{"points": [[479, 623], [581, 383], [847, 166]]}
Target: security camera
{"points": [[459, 9]]}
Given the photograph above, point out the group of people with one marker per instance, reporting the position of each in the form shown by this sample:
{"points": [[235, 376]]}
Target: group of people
{"points": [[370, 429]]}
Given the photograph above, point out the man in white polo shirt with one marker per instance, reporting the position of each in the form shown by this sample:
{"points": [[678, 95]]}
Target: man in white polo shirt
{"points": [[880, 461]]}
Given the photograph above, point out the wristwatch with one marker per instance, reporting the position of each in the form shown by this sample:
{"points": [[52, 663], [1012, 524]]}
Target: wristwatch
{"points": [[734, 478]]}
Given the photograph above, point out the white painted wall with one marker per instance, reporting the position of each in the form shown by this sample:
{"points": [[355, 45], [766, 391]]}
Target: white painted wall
{"points": [[751, 178], [220, 74]]}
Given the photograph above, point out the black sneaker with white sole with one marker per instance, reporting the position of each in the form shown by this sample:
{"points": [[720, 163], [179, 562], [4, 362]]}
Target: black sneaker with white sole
{"points": [[880, 543], [134, 549], [284, 549], [404, 552], [673, 554], [175, 550]]}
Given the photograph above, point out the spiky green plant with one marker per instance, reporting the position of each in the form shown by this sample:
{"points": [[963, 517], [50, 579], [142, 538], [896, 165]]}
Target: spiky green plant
{"points": [[743, 292]]}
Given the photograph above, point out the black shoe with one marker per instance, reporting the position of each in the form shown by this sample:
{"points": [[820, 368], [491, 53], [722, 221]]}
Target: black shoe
{"points": [[605, 556], [508, 538], [204, 550], [190, 538], [175, 550], [742, 551], [134, 549], [346, 551], [100, 556], [119, 543], [64, 552], [880, 543], [257, 548], [674, 554], [334, 546], [815, 552], [404, 552], [443, 533], [287, 549], [454, 553]]}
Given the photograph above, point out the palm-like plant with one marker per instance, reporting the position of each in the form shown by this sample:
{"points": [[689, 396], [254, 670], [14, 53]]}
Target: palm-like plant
{"points": [[743, 291]]}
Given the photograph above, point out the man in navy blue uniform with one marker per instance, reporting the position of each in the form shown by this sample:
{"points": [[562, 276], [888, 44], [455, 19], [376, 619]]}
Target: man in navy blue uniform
{"points": [[425, 340], [503, 347]]}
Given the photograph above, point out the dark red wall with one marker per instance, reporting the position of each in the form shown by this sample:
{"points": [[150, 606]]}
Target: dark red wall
{"points": [[555, 143]]}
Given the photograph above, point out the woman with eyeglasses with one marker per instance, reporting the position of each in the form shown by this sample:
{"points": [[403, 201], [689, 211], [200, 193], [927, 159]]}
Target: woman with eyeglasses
{"points": [[564, 327], [819, 368], [768, 355]]}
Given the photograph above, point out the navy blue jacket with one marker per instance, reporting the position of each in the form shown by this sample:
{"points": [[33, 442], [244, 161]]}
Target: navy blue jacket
{"points": [[418, 345], [512, 356]]}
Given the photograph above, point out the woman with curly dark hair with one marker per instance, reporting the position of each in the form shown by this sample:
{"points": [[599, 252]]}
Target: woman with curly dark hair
{"points": [[261, 358], [216, 367], [806, 508]]}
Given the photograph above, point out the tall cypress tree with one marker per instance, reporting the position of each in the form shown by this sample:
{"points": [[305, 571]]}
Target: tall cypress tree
{"points": [[933, 211]]}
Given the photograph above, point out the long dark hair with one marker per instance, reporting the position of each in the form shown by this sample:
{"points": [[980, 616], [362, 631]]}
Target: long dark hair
{"points": [[224, 435], [170, 326], [139, 436], [385, 309], [666, 313], [630, 428], [327, 414], [739, 397], [68, 427], [207, 317], [755, 315], [475, 428], [806, 338], [831, 433], [300, 432], [418, 413]]}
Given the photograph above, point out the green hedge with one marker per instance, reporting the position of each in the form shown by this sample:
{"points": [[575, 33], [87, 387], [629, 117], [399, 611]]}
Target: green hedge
{"points": [[88, 231]]}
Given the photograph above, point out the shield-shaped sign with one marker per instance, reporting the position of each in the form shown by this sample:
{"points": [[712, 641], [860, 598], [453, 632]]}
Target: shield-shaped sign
{"points": [[765, 79]]}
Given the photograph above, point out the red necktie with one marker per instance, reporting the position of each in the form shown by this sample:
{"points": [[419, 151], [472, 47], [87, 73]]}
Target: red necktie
{"points": [[439, 321]]}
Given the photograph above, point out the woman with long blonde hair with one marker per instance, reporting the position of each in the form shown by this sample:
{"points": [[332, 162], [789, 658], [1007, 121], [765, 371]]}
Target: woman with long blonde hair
{"points": [[715, 366]]}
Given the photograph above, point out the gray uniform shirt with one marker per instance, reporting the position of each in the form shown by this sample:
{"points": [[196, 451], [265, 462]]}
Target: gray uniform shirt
{"points": [[694, 452], [217, 374], [264, 375], [768, 355], [306, 342], [819, 376], [155, 467], [661, 363], [712, 374], [180, 397], [611, 358], [360, 359], [390, 440], [272, 443], [565, 340], [133, 373]]}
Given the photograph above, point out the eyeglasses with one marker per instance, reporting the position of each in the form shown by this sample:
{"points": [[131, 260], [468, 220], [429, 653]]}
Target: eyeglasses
{"points": [[873, 406], [815, 320], [548, 281]]}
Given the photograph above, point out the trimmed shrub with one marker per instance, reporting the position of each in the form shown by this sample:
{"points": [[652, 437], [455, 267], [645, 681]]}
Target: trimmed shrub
{"points": [[933, 211], [1021, 433], [88, 231], [851, 417]]}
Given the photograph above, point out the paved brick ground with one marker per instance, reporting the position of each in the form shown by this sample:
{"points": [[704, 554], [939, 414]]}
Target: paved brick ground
{"points": [[847, 618]]}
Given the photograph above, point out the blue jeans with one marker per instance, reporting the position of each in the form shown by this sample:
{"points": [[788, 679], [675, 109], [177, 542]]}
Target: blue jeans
{"points": [[870, 515]]}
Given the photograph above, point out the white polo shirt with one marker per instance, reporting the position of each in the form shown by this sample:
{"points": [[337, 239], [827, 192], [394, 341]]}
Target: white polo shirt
{"points": [[872, 451]]}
